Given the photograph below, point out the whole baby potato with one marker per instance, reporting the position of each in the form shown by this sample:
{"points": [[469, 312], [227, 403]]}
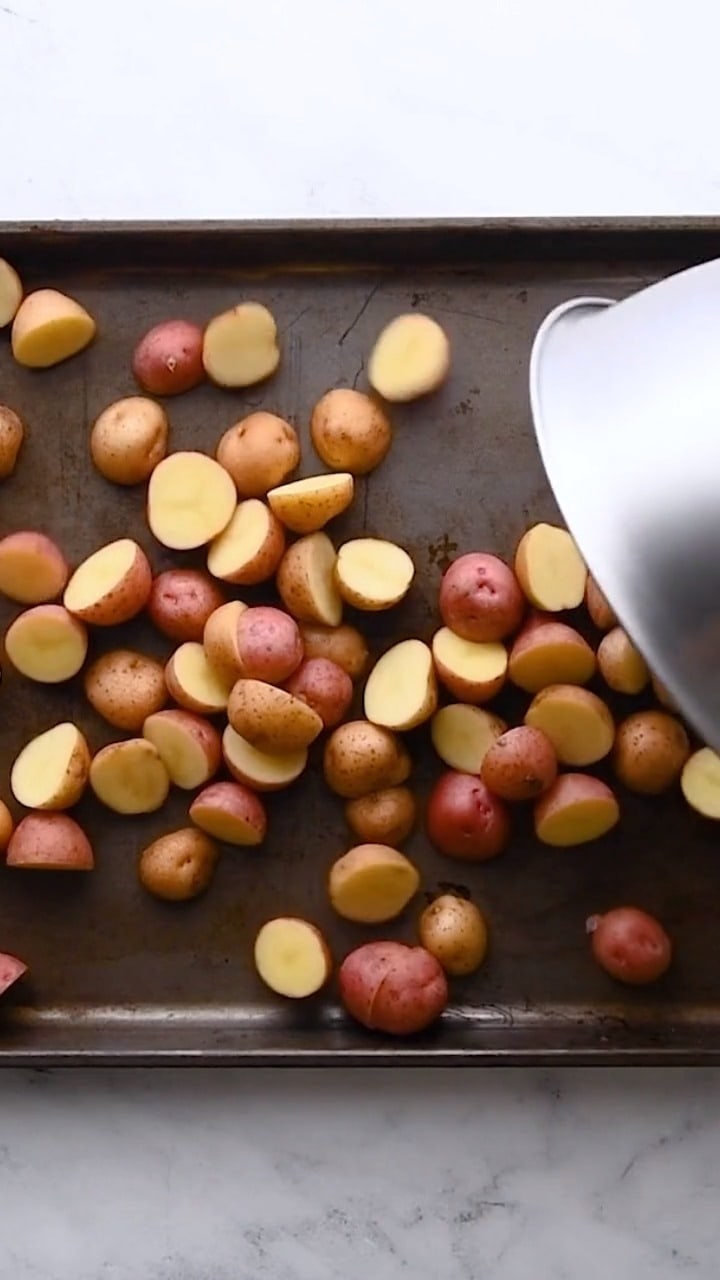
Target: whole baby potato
{"points": [[630, 945], [344, 645], [649, 752], [361, 757], [325, 687], [520, 765], [181, 601], [453, 930], [350, 431], [480, 598], [268, 643], [128, 439], [259, 452], [168, 359], [125, 687], [179, 865], [390, 987], [465, 820], [11, 437], [382, 817]]}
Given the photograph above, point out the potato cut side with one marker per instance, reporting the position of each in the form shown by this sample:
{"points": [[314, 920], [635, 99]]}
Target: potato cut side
{"points": [[262, 770], [33, 569], [11, 292], [230, 812], [306, 505], [472, 671], [191, 499], [306, 581], [240, 346], [576, 809], [46, 644], [462, 736], [270, 718], [410, 358], [700, 783], [401, 690], [51, 772], [548, 653], [194, 683], [550, 569], [576, 721], [188, 746], [373, 574], [129, 777], [220, 639], [249, 549], [372, 883], [49, 327], [292, 958], [111, 586]]}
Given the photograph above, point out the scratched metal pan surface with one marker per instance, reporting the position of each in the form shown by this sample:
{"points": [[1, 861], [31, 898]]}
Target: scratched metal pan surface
{"points": [[117, 977]]}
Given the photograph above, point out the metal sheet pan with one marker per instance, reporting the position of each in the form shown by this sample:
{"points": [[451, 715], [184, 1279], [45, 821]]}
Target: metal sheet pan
{"points": [[120, 978]]}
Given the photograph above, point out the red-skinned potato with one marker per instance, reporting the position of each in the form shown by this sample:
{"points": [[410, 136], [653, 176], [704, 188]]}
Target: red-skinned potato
{"points": [[260, 770], [471, 672], [188, 746], [49, 842], [230, 812], [465, 820], [11, 969], [125, 688], [630, 945], [111, 586], [33, 569], [168, 359], [390, 987], [325, 687], [549, 652], [181, 601], [480, 599], [268, 642], [520, 765], [576, 808], [193, 683], [250, 548]]}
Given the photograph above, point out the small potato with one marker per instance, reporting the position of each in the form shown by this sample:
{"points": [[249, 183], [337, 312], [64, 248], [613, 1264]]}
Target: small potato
{"points": [[250, 547], [373, 574], [372, 883], [597, 606], [188, 746], [520, 765], [465, 820], [700, 782], [33, 569], [129, 439], [550, 569], [125, 688], [49, 327], [630, 945], [292, 958], [12, 433], [49, 842], [46, 644], [111, 586], [230, 812], [361, 757], [462, 735], [549, 652], [7, 826], [306, 581], [240, 347], [382, 817], [190, 500], [11, 970], [261, 770], [130, 777], [271, 718], [259, 452], [650, 750], [349, 431], [269, 646], [343, 645], [307, 505], [401, 691], [454, 932], [480, 599], [622, 667], [390, 987], [181, 601], [11, 293], [410, 358], [576, 721], [220, 640], [193, 683], [325, 687], [168, 358], [577, 808], [51, 772], [471, 672], [179, 865]]}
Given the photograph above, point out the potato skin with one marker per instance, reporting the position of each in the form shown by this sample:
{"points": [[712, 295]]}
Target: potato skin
{"points": [[259, 452], [271, 719], [268, 644], [382, 817], [597, 606], [12, 432], [128, 440], [179, 865], [181, 601], [453, 930], [349, 431], [520, 765], [325, 687], [11, 969], [650, 750], [344, 645], [465, 820], [630, 945], [125, 688], [50, 842], [390, 987], [168, 358], [361, 757], [6, 826], [480, 598]]}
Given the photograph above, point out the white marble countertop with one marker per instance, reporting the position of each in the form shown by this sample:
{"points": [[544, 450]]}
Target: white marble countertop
{"points": [[166, 108]]}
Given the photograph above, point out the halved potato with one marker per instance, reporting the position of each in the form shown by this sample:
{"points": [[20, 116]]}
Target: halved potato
{"points": [[550, 569], [111, 586], [11, 292], [373, 574], [401, 690], [220, 639], [51, 772], [33, 569], [306, 505], [230, 812], [343, 645], [190, 500], [49, 327], [700, 782], [130, 777], [549, 652], [410, 358], [240, 347], [462, 735], [292, 958], [576, 721], [261, 770], [270, 718], [470, 671], [250, 548], [194, 683], [576, 809], [188, 746], [306, 581], [49, 842], [372, 883], [12, 434], [46, 644]]}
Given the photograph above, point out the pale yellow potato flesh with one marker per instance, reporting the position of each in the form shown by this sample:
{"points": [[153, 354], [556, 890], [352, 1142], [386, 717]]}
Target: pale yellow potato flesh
{"points": [[410, 358], [51, 772], [240, 346], [249, 547], [220, 639], [462, 735], [115, 573], [576, 810], [180, 749], [700, 782], [194, 683], [576, 721], [550, 569], [11, 292], [263, 770], [372, 883], [47, 644], [33, 570], [373, 574], [49, 327], [473, 670], [307, 505], [292, 958], [401, 690], [191, 499], [129, 777], [306, 580]]}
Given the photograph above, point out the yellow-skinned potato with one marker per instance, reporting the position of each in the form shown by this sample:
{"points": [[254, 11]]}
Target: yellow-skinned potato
{"points": [[261, 770], [577, 808], [700, 782], [453, 930], [577, 722], [130, 777], [240, 347], [550, 569], [272, 719], [7, 826], [350, 431], [11, 292], [250, 547], [307, 505], [259, 452], [410, 358], [343, 645], [598, 607], [12, 432], [650, 750], [178, 866], [220, 640], [190, 500], [111, 586], [373, 574], [292, 957], [372, 883], [382, 817], [51, 772], [128, 439], [361, 757], [33, 569], [463, 734], [622, 667], [306, 581], [49, 327], [549, 652], [125, 687], [401, 690]]}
